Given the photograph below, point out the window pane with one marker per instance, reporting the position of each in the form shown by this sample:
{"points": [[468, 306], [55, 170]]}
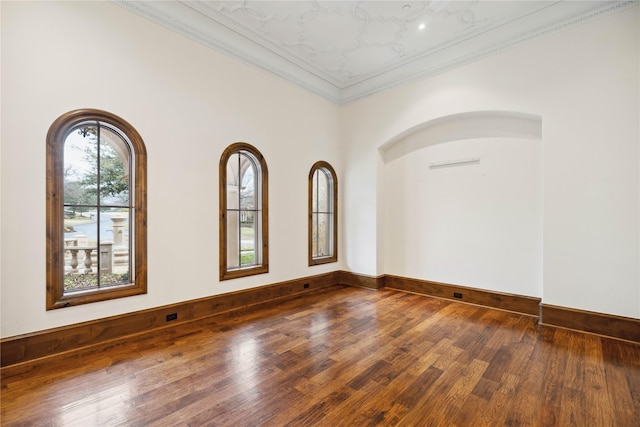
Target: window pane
{"points": [[114, 226], [248, 233], [324, 234], [314, 235], [114, 261], [79, 254], [78, 220], [114, 168], [233, 239], [233, 177], [323, 191], [80, 168], [248, 184], [314, 192]]}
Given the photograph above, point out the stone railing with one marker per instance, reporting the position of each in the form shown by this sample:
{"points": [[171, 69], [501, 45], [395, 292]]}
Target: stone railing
{"points": [[90, 257]]}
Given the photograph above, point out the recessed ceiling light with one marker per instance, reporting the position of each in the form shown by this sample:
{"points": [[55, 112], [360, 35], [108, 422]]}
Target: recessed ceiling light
{"points": [[422, 26]]}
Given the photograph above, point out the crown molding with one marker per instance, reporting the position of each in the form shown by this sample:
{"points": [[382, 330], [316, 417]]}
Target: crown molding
{"points": [[187, 21], [511, 34], [199, 22]]}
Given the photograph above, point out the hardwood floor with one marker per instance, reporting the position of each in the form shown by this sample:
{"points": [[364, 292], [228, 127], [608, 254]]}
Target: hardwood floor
{"points": [[341, 356]]}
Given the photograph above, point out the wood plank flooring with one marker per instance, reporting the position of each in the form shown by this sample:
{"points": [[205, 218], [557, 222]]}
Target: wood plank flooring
{"points": [[340, 356]]}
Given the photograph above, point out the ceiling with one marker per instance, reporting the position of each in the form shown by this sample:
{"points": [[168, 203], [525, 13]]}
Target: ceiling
{"points": [[345, 50]]}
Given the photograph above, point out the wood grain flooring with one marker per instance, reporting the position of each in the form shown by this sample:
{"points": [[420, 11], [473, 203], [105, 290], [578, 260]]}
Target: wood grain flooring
{"points": [[341, 356]]}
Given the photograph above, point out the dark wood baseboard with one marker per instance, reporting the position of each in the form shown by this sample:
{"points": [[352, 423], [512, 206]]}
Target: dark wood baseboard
{"points": [[624, 328], [503, 301], [27, 347], [360, 280]]}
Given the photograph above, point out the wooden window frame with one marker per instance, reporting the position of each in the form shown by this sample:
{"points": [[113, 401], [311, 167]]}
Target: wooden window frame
{"points": [[56, 137], [334, 177], [225, 273]]}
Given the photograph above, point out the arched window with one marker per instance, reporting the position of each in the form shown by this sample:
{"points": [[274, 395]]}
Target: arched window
{"points": [[244, 247], [323, 214], [96, 209]]}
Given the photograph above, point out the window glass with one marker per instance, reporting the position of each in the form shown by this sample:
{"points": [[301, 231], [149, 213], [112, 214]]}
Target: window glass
{"points": [[243, 212], [322, 214], [96, 234]]}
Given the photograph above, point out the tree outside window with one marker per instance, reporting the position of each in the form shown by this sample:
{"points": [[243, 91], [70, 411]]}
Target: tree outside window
{"points": [[96, 209]]}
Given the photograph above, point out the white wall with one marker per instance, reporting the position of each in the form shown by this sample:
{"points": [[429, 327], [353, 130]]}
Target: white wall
{"points": [[188, 103], [584, 83], [476, 224]]}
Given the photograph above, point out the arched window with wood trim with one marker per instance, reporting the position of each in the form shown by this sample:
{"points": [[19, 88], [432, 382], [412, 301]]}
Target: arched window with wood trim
{"points": [[323, 214], [96, 209], [244, 241]]}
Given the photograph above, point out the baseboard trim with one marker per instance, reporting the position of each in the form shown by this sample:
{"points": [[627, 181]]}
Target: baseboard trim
{"points": [[502, 301], [361, 280], [624, 328], [28, 347], [51, 342]]}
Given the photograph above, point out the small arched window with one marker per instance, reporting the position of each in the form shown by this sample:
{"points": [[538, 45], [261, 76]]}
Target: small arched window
{"points": [[96, 209], [323, 214], [244, 247]]}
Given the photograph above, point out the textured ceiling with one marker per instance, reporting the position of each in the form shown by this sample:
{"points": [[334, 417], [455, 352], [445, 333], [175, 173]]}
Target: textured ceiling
{"points": [[345, 50]]}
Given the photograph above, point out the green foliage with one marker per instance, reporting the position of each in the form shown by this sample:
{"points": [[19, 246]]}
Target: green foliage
{"points": [[113, 179], [247, 258], [75, 192]]}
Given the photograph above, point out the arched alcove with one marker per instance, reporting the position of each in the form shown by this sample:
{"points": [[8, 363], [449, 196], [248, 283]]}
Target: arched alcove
{"points": [[473, 223], [456, 127]]}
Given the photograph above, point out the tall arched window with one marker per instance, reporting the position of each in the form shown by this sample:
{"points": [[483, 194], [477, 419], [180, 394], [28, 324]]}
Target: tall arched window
{"points": [[323, 214], [96, 209], [244, 246]]}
